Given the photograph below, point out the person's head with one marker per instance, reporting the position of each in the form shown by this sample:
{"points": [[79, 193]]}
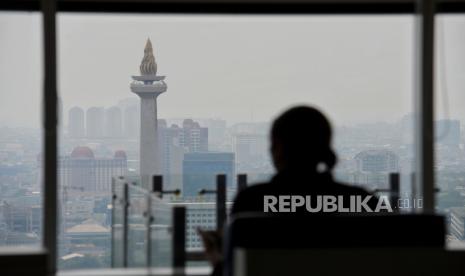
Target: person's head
{"points": [[301, 141]]}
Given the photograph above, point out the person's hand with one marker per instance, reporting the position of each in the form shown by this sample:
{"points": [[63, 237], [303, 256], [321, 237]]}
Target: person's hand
{"points": [[212, 241]]}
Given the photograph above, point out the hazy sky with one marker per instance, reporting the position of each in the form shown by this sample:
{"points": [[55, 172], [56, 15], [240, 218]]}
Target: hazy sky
{"points": [[357, 68]]}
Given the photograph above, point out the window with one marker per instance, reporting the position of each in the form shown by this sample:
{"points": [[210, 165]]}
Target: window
{"points": [[447, 176], [20, 130], [227, 78], [449, 123]]}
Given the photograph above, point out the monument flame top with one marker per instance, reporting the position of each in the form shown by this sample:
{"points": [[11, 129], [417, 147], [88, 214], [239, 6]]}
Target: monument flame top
{"points": [[148, 65]]}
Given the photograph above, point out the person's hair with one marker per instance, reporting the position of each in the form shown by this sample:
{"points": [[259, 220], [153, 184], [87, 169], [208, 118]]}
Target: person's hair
{"points": [[304, 135]]}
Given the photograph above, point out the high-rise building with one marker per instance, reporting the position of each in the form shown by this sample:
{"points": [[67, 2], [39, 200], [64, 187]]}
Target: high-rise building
{"points": [[95, 122], [22, 216], [76, 127], [216, 132], [20, 221], [200, 169], [171, 154], [193, 137], [131, 116], [148, 86], [448, 132], [131, 121], [377, 161], [373, 168], [174, 141], [113, 122], [82, 172], [250, 149], [457, 222], [199, 215]]}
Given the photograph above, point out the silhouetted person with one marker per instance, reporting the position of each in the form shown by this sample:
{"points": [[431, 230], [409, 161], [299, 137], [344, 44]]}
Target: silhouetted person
{"points": [[304, 160]]}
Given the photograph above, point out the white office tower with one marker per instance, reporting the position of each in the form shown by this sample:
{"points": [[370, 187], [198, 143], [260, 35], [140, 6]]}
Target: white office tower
{"points": [[76, 127], [148, 86]]}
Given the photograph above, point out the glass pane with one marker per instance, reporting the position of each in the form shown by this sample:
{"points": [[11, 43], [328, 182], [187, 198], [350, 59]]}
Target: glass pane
{"points": [[137, 226], [20, 129], [161, 236], [450, 115], [118, 217], [220, 81]]}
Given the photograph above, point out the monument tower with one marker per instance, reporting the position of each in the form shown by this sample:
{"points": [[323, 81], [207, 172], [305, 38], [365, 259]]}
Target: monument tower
{"points": [[148, 86]]}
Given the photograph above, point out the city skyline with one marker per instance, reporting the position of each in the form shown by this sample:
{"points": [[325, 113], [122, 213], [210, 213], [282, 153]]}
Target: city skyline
{"points": [[270, 71], [227, 82]]}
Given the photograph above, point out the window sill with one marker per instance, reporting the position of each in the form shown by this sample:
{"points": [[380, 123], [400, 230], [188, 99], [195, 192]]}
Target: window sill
{"points": [[23, 261], [194, 271]]}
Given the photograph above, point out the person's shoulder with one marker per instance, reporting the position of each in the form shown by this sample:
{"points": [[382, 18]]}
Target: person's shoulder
{"points": [[248, 197], [253, 190]]}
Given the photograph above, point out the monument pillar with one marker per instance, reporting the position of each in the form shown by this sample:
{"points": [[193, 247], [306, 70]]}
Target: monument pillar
{"points": [[148, 86]]}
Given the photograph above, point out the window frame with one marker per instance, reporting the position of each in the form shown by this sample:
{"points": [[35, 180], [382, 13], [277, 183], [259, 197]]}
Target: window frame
{"points": [[237, 6], [424, 90]]}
